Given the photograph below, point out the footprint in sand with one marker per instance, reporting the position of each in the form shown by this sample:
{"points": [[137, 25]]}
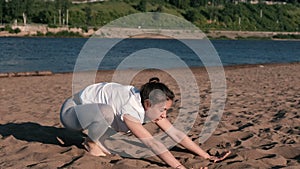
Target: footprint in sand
{"points": [[268, 146], [279, 115]]}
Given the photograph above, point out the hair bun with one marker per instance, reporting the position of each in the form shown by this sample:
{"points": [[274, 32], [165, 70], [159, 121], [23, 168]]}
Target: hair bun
{"points": [[154, 80]]}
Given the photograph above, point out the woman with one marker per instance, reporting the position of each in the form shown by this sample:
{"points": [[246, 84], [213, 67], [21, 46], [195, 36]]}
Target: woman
{"points": [[124, 108]]}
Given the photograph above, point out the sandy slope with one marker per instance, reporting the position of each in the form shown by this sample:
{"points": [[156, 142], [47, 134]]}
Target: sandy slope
{"points": [[260, 124]]}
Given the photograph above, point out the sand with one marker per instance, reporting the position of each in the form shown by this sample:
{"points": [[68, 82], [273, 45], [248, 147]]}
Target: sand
{"points": [[260, 123]]}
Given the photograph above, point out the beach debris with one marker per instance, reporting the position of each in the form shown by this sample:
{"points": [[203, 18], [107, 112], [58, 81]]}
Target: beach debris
{"points": [[19, 74], [60, 141]]}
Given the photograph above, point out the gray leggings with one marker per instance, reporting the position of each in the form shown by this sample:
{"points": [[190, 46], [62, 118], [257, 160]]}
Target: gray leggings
{"points": [[96, 118]]}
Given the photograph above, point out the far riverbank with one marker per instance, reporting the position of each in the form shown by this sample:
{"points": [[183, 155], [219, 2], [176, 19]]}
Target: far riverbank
{"points": [[44, 30]]}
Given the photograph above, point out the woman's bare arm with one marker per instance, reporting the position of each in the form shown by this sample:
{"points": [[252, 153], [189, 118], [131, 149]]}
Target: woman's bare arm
{"points": [[181, 138], [185, 141], [157, 147]]}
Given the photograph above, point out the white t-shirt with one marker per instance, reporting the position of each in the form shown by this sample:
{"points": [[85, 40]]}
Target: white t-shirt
{"points": [[123, 100]]}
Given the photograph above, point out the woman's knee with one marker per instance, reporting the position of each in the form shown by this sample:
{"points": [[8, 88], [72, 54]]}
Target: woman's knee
{"points": [[70, 120]]}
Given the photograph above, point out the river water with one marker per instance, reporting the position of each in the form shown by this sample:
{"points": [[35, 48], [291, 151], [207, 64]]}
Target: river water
{"points": [[60, 54]]}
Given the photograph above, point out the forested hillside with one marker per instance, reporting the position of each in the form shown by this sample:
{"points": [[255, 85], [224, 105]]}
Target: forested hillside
{"points": [[207, 15]]}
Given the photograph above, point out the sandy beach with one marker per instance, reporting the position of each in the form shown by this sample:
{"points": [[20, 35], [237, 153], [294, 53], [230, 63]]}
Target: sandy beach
{"points": [[260, 123]]}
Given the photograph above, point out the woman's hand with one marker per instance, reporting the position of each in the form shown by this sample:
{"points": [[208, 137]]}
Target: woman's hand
{"points": [[221, 157]]}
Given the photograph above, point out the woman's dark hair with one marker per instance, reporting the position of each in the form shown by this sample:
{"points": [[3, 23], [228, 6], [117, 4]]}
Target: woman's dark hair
{"points": [[154, 84]]}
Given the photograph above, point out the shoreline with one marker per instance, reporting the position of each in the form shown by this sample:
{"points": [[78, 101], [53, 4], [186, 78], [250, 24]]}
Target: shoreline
{"points": [[228, 67]]}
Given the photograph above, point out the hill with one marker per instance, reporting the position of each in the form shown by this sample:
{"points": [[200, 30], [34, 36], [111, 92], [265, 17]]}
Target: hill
{"points": [[221, 15]]}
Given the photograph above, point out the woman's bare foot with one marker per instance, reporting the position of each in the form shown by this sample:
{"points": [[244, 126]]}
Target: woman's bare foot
{"points": [[95, 149]]}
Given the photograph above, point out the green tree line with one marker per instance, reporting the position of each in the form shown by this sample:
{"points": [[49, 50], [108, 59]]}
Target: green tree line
{"points": [[206, 14]]}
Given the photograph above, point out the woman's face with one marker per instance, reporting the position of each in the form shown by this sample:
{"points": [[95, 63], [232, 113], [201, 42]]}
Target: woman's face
{"points": [[158, 111]]}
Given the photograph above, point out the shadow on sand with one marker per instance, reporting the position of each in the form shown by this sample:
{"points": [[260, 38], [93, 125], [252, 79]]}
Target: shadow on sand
{"points": [[34, 132]]}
